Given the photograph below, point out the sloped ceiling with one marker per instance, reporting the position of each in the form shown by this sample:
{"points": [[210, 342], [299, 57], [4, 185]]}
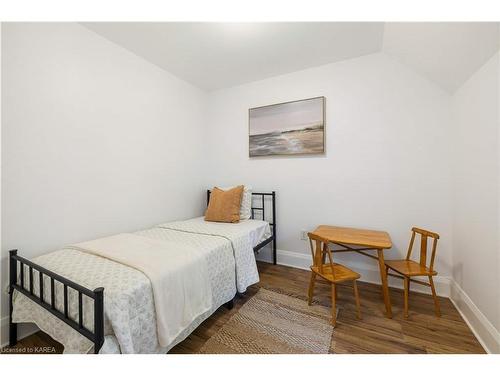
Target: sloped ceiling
{"points": [[217, 55], [446, 53]]}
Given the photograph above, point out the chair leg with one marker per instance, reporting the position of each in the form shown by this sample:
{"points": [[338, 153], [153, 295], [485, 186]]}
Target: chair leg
{"points": [[407, 291], [356, 296], [311, 288], [334, 307], [436, 301]]}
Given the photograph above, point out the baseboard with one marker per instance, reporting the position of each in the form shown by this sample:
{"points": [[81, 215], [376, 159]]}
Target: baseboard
{"points": [[485, 332], [23, 330], [368, 270]]}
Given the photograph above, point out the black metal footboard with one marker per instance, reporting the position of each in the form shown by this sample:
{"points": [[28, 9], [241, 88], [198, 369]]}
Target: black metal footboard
{"points": [[49, 304]]}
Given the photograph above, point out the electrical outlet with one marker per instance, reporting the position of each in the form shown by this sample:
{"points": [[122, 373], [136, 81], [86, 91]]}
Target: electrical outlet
{"points": [[303, 235]]}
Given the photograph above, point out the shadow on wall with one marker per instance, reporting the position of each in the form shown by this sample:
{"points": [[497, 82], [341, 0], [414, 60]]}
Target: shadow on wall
{"points": [[457, 272]]}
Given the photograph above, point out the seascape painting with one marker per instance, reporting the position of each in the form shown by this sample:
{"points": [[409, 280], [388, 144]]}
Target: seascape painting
{"points": [[292, 128]]}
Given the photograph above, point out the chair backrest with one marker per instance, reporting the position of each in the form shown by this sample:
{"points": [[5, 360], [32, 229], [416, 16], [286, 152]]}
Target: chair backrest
{"points": [[319, 251], [424, 235]]}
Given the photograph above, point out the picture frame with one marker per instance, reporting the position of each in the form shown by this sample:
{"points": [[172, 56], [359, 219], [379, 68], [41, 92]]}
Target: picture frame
{"points": [[289, 128]]}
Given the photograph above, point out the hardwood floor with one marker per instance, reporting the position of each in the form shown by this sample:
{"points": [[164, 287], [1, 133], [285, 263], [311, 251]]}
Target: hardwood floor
{"points": [[422, 332]]}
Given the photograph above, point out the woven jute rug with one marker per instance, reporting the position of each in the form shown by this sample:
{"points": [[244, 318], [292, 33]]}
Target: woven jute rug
{"points": [[274, 323]]}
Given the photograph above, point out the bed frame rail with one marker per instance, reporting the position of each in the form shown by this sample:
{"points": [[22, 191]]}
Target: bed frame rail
{"points": [[49, 304], [262, 210]]}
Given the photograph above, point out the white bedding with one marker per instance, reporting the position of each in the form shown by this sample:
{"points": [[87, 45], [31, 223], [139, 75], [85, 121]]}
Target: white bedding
{"points": [[258, 230], [239, 235], [177, 272], [130, 319]]}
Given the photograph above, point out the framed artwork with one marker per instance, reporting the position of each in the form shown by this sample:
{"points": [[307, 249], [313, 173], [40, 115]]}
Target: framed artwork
{"points": [[291, 128]]}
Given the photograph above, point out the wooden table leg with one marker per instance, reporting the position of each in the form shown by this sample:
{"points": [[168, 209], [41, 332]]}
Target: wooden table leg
{"points": [[385, 287]]}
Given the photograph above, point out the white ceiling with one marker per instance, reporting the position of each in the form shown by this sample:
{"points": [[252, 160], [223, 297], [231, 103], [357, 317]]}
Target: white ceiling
{"points": [[218, 55], [446, 53]]}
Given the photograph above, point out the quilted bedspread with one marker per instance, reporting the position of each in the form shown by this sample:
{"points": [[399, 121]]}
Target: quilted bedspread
{"points": [[130, 319]]}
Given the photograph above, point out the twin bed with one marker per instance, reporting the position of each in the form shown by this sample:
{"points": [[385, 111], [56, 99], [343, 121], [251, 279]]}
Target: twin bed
{"points": [[140, 292]]}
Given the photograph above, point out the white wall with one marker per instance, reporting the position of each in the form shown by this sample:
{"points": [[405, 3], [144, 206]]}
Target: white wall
{"points": [[387, 161], [476, 249], [96, 140]]}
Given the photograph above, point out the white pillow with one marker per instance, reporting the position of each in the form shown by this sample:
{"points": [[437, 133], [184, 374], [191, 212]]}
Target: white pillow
{"points": [[246, 201]]}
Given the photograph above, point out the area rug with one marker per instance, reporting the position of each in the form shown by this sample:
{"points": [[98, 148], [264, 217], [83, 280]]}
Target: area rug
{"points": [[274, 323]]}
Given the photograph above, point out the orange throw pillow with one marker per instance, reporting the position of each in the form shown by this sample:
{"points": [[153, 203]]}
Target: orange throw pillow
{"points": [[224, 206]]}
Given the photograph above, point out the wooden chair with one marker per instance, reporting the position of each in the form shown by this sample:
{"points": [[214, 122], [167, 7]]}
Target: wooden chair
{"points": [[408, 268], [332, 272]]}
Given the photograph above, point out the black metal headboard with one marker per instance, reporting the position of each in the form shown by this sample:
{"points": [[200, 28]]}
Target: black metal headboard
{"points": [[262, 210]]}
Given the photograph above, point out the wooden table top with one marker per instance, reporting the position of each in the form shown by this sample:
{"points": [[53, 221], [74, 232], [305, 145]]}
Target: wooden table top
{"points": [[352, 236]]}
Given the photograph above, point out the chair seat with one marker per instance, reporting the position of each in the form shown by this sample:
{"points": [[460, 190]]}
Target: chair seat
{"points": [[409, 268], [341, 273]]}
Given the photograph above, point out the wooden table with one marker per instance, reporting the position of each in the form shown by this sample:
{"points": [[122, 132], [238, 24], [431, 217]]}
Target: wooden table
{"points": [[361, 240]]}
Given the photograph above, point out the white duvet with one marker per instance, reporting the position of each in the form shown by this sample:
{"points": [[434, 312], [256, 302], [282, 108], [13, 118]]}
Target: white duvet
{"points": [[240, 235], [130, 321], [177, 271]]}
